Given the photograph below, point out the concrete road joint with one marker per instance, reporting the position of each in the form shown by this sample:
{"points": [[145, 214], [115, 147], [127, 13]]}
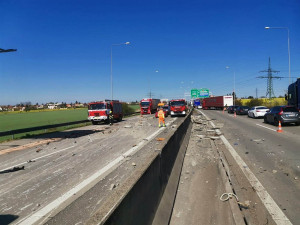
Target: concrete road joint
{"points": [[43, 214], [276, 213]]}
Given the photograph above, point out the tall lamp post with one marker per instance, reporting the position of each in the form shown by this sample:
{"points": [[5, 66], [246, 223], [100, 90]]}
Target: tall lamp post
{"points": [[234, 94], [111, 70], [288, 32]]}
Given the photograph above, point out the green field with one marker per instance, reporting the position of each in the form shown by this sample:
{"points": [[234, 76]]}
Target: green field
{"points": [[13, 121], [19, 120], [135, 107]]}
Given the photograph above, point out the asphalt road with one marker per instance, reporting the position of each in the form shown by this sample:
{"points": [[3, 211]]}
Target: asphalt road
{"points": [[56, 172], [273, 157]]}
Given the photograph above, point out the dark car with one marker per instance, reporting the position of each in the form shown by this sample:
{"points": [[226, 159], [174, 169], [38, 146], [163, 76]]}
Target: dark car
{"points": [[284, 114], [232, 109], [242, 110]]}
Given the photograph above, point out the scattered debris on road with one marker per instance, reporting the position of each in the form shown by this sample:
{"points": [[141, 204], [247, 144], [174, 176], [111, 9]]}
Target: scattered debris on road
{"points": [[14, 169], [160, 139], [112, 186], [29, 161]]}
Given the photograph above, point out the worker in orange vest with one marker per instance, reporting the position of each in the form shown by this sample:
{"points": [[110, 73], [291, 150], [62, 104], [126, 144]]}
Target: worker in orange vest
{"points": [[161, 117]]}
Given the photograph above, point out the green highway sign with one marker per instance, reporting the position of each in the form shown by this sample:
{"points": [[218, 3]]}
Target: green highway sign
{"points": [[204, 93], [195, 93], [200, 93]]}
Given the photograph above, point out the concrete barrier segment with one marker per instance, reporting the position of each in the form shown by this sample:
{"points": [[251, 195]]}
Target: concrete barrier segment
{"points": [[139, 203]]}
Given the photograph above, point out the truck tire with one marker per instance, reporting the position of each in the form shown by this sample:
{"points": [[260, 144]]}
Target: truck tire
{"points": [[94, 122]]}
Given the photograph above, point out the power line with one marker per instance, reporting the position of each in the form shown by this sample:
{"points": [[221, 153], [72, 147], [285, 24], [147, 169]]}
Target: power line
{"points": [[270, 77]]}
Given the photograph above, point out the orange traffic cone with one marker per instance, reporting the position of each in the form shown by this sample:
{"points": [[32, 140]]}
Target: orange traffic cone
{"points": [[279, 127], [234, 114]]}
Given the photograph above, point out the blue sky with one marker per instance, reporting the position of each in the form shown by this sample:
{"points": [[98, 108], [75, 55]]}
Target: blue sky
{"points": [[64, 48]]}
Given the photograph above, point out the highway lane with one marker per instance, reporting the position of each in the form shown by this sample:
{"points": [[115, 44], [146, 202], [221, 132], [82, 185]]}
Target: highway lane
{"points": [[53, 169], [273, 157]]}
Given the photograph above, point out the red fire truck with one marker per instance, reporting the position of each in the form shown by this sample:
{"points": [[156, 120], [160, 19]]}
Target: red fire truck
{"points": [[178, 107], [99, 111], [149, 105]]}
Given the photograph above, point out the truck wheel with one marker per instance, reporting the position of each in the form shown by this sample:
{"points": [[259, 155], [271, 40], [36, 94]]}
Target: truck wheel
{"points": [[265, 120], [120, 119], [94, 122]]}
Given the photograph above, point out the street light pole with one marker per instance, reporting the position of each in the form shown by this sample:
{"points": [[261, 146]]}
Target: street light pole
{"points": [[111, 67], [234, 94], [288, 32]]}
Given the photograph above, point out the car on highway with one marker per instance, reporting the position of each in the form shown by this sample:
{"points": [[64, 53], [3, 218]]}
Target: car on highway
{"points": [[257, 111], [284, 114], [232, 109], [242, 110]]}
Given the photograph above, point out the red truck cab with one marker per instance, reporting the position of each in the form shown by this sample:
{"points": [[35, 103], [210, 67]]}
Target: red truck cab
{"points": [[178, 107], [149, 105], [99, 111]]}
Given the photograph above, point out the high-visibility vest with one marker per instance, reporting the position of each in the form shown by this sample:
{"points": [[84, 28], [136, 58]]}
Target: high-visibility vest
{"points": [[161, 113]]}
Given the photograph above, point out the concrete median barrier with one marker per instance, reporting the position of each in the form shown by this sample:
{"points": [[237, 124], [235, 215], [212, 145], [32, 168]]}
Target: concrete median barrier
{"points": [[149, 196]]}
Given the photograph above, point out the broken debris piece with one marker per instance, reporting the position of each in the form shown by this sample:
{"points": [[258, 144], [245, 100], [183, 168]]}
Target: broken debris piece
{"points": [[29, 161], [112, 186], [160, 139]]}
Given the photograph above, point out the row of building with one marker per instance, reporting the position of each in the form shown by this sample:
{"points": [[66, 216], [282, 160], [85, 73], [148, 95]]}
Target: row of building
{"points": [[21, 107]]}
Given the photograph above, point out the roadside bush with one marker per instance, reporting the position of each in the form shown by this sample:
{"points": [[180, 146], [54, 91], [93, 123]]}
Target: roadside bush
{"points": [[264, 102], [255, 102], [126, 109], [238, 102]]}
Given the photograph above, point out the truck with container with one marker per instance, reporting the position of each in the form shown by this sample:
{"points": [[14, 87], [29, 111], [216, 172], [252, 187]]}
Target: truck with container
{"points": [[178, 107], [149, 105], [197, 103], [293, 96], [100, 111], [217, 102]]}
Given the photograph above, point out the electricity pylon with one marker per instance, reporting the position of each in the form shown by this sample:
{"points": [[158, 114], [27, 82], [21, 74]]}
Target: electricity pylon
{"points": [[270, 77]]}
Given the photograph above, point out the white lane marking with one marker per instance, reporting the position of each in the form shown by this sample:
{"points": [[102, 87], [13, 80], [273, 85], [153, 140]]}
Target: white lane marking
{"points": [[278, 216], [266, 127], [37, 158], [42, 213]]}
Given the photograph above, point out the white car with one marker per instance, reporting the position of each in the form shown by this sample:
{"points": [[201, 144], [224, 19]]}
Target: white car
{"points": [[257, 111]]}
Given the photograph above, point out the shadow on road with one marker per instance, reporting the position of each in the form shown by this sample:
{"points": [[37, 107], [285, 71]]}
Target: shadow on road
{"points": [[70, 134], [7, 219]]}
